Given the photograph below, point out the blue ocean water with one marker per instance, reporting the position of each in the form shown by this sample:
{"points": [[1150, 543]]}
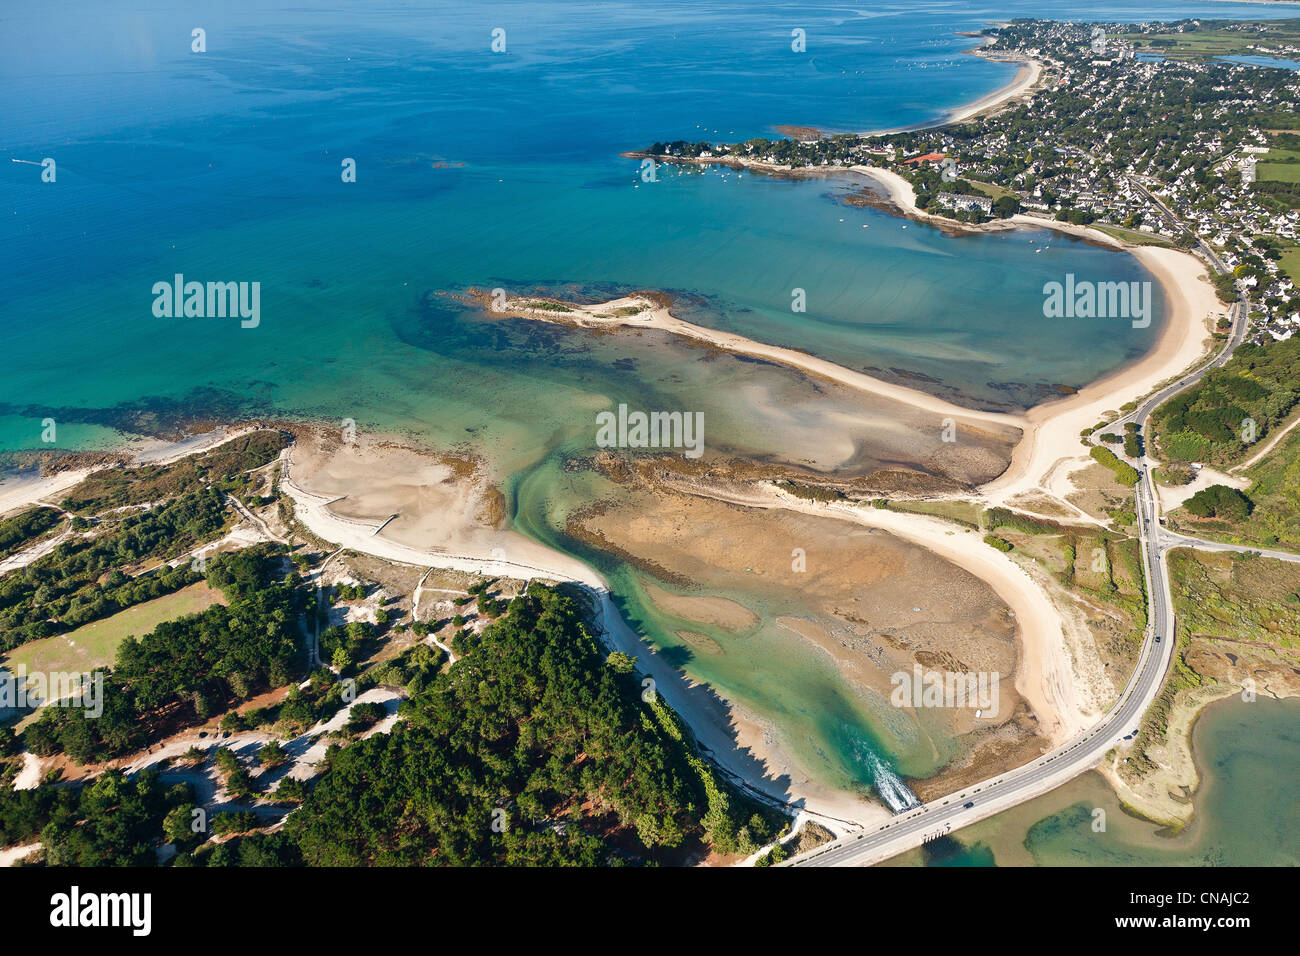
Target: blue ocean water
{"points": [[484, 169], [479, 168]]}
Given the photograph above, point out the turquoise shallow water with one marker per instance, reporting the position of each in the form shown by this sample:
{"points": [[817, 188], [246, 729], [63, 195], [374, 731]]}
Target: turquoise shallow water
{"points": [[1246, 809], [479, 169]]}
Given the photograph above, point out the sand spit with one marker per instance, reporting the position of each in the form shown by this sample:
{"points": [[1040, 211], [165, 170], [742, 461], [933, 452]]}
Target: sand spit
{"points": [[1050, 446], [1045, 677], [323, 477], [643, 312]]}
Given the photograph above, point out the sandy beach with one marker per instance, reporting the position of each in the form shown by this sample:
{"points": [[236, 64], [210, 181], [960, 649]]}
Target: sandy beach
{"points": [[1045, 677], [872, 603], [1026, 79], [1042, 458], [1049, 450], [1051, 443], [743, 745], [1022, 84], [637, 311], [408, 507]]}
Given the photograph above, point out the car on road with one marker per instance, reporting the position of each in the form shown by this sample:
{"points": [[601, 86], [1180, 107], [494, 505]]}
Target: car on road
{"points": [[969, 805]]}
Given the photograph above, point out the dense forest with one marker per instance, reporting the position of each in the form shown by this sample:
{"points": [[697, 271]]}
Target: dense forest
{"points": [[82, 579], [1245, 399], [532, 749], [536, 748], [113, 821], [188, 669], [18, 531]]}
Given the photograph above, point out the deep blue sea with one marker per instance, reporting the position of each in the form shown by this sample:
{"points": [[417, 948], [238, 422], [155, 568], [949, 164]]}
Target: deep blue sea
{"points": [[478, 168]]}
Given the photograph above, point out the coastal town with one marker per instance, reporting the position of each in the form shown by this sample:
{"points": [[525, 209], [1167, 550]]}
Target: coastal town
{"points": [[1197, 154]]}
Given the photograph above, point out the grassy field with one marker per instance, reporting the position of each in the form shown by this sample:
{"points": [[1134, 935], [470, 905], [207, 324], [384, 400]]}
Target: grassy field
{"points": [[1237, 617], [992, 190], [1135, 236], [1279, 155], [1211, 41], [1252, 600], [1290, 262], [1287, 172], [95, 645]]}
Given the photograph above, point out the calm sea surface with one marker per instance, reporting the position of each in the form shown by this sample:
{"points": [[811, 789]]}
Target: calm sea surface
{"points": [[485, 169], [1246, 809]]}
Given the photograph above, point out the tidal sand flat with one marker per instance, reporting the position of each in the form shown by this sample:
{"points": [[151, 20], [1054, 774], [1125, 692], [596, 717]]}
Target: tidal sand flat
{"points": [[775, 421], [806, 621], [456, 192], [776, 405]]}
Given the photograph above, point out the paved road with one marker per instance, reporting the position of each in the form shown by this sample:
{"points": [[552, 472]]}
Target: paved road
{"points": [[1172, 539], [942, 816]]}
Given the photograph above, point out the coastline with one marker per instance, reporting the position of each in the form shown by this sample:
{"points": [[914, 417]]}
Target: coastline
{"points": [[1049, 431], [743, 745], [649, 314], [740, 743], [1026, 81], [22, 490], [1023, 83], [1043, 674], [1050, 439], [1054, 426], [1044, 677]]}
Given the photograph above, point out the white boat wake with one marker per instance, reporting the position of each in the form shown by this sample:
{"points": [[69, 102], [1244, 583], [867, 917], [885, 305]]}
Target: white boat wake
{"points": [[889, 785]]}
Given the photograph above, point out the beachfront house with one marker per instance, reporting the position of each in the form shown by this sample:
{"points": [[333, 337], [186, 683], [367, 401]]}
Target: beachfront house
{"points": [[954, 201]]}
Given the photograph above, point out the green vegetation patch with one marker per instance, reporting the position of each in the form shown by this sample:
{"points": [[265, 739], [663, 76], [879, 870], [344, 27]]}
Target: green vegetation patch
{"points": [[81, 579], [223, 467], [22, 530], [1219, 501], [187, 670], [966, 513], [1125, 473], [1273, 518], [1002, 544], [114, 821], [534, 731], [95, 645]]}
